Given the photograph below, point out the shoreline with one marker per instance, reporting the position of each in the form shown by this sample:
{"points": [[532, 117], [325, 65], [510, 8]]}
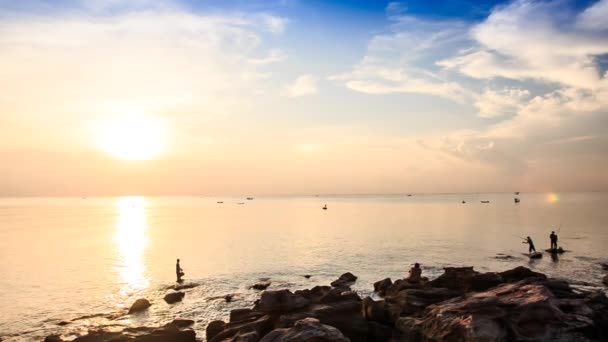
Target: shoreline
{"points": [[459, 305]]}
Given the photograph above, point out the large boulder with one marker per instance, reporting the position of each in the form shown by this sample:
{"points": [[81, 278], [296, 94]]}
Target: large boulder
{"points": [[174, 297], [234, 331], [139, 306], [455, 278], [344, 280], [382, 286], [411, 301], [520, 311], [306, 330], [214, 328], [282, 300], [521, 273], [167, 335]]}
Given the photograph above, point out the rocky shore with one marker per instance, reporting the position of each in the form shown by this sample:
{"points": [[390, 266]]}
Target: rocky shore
{"points": [[459, 305]]}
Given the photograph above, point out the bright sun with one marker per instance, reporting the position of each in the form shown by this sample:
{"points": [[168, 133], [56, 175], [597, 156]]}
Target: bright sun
{"points": [[132, 137]]}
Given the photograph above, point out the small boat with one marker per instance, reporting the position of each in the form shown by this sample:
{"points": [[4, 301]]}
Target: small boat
{"points": [[325, 207], [241, 203], [516, 200], [555, 251], [249, 198], [409, 195], [463, 202], [517, 192], [485, 201], [219, 202]]}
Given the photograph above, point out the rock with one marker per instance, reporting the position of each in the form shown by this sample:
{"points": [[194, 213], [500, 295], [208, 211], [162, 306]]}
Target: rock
{"points": [[604, 266], [282, 300], [381, 286], [605, 280], [238, 315], [509, 312], [315, 294], [306, 330], [228, 298], [174, 297], [62, 323], [101, 335], [53, 338], [139, 306], [246, 336], [485, 281], [520, 273], [307, 276], [179, 323], [344, 280], [411, 301], [261, 286], [181, 287], [167, 335], [231, 330], [455, 278], [377, 311], [214, 328]]}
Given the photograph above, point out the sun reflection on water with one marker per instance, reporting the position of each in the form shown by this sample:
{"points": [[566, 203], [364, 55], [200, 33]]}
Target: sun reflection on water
{"points": [[130, 238]]}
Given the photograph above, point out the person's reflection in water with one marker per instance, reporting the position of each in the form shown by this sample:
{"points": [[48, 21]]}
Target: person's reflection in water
{"points": [[179, 272]]}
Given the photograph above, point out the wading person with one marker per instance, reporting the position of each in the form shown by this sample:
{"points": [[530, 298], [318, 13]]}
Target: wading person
{"points": [[179, 272], [553, 238], [530, 244]]}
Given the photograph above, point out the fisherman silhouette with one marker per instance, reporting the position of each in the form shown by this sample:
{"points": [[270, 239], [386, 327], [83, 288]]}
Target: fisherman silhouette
{"points": [[415, 274], [531, 244], [553, 238], [179, 272]]}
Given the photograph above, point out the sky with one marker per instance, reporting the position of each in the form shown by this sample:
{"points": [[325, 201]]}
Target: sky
{"points": [[185, 97]]}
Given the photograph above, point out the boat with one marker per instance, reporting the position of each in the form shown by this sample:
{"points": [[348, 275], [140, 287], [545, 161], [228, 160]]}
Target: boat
{"points": [[516, 200], [219, 202], [517, 192], [485, 201], [555, 251], [463, 202], [325, 207], [249, 198], [409, 195]]}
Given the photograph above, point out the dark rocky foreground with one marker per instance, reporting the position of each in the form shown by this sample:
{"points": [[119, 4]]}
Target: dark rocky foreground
{"points": [[460, 305]]}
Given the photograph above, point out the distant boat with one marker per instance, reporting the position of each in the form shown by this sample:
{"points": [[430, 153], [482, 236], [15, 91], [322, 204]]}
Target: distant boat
{"points": [[325, 207], [409, 195], [249, 198], [517, 192], [219, 202], [241, 203], [485, 201], [463, 202], [516, 200]]}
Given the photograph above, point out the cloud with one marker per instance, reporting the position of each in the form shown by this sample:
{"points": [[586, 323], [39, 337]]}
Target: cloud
{"points": [[497, 103], [274, 56], [303, 85], [526, 40]]}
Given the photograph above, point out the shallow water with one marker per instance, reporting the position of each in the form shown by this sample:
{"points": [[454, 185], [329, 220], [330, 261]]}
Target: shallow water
{"points": [[62, 259]]}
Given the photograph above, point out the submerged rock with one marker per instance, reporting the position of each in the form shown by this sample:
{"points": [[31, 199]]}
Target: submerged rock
{"points": [[51, 338], [139, 306], [261, 285], [306, 330], [174, 297], [345, 279]]}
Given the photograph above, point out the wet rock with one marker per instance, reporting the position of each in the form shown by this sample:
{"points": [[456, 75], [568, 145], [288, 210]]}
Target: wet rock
{"points": [[282, 300], [344, 280], [246, 336], [412, 301], [381, 286], [307, 276], [261, 285], [377, 311], [315, 294], [515, 311], [261, 325], [174, 297], [605, 280], [485, 281], [62, 323], [520, 273], [52, 338], [214, 328], [604, 266], [306, 330], [179, 323], [182, 287], [102, 336], [167, 335], [238, 315], [228, 298], [455, 278], [139, 306]]}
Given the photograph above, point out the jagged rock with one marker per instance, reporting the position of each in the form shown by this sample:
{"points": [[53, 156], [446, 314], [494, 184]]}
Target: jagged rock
{"points": [[139, 305], [411, 301], [514, 311], [261, 325], [605, 280], [485, 281], [214, 328], [377, 311], [344, 280], [315, 294], [306, 330], [282, 300], [381, 286], [261, 286], [245, 336], [520, 273], [455, 278], [179, 323], [52, 338], [238, 315], [174, 297]]}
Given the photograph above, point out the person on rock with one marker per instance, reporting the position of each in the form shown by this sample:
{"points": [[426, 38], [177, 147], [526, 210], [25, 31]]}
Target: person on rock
{"points": [[530, 244], [415, 274], [553, 238], [179, 272]]}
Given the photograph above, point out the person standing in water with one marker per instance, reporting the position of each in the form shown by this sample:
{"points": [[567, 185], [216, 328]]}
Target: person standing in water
{"points": [[415, 274], [179, 272], [553, 238], [531, 245]]}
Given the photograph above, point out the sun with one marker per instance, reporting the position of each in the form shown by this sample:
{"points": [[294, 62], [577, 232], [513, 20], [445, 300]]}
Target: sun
{"points": [[132, 137]]}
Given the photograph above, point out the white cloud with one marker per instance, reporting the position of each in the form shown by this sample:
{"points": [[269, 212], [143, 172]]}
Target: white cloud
{"points": [[274, 56], [303, 85], [496, 103]]}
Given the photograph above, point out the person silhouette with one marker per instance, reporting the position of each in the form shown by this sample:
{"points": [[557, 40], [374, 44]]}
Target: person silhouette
{"points": [[179, 272], [530, 244], [553, 238], [415, 274]]}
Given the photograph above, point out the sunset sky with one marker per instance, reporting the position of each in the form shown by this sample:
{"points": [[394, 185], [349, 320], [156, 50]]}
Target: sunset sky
{"points": [[115, 97]]}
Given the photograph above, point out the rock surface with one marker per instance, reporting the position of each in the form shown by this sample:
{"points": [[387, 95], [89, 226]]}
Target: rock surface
{"points": [[306, 330], [139, 306], [605, 280], [174, 297], [345, 279], [261, 285]]}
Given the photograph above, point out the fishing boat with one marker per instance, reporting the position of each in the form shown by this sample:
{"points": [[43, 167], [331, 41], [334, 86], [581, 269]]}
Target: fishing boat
{"points": [[249, 198], [463, 202], [516, 200], [219, 202], [485, 201], [517, 192], [325, 207]]}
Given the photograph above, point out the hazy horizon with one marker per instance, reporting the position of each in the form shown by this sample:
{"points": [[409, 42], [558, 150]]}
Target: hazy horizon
{"points": [[180, 97]]}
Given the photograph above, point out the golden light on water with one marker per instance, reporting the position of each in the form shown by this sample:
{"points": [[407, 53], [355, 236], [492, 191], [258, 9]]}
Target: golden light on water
{"points": [[132, 136], [130, 238], [552, 198]]}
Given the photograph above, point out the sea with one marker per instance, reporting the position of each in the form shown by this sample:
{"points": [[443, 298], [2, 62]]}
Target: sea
{"points": [[68, 265]]}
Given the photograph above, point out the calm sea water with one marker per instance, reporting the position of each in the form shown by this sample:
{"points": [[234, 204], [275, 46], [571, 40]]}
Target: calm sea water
{"points": [[76, 260]]}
